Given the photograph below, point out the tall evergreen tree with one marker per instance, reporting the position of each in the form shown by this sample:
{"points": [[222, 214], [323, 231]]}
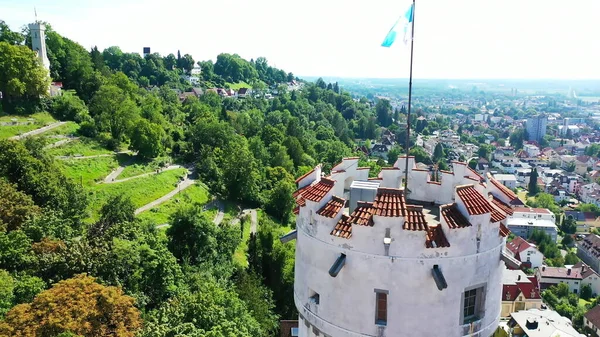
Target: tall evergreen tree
{"points": [[533, 187]]}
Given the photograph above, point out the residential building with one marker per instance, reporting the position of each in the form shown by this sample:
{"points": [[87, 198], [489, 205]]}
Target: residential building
{"points": [[591, 319], [525, 252], [508, 180], [590, 193], [536, 127], [588, 250], [574, 276], [541, 323], [519, 292], [532, 150], [525, 220], [392, 264], [584, 220], [243, 92]]}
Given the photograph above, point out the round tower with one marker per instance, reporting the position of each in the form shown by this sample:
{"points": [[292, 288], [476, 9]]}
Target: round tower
{"points": [[397, 266]]}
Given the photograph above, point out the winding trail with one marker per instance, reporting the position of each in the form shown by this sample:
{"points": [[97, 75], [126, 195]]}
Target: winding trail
{"points": [[93, 156], [38, 131], [185, 183]]}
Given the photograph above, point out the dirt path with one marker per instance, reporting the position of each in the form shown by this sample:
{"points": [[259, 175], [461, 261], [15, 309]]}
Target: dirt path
{"points": [[220, 214], [93, 156], [187, 182], [38, 131], [60, 142], [111, 178]]}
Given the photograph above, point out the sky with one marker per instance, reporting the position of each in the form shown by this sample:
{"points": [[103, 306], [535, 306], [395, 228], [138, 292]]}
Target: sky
{"points": [[454, 39]]}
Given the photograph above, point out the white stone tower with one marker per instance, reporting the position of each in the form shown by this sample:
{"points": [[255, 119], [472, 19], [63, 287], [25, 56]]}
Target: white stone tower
{"points": [[38, 42], [429, 264]]}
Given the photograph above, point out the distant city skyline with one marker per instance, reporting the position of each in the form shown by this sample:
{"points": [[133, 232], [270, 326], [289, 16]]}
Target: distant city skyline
{"points": [[464, 39]]}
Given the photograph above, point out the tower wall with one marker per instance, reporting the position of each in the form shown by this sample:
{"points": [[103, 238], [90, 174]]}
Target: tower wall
{"points": [[38, 42]]}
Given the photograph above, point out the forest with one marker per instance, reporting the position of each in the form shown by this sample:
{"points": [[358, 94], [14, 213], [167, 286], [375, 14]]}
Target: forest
{"points": [[72, 267]]}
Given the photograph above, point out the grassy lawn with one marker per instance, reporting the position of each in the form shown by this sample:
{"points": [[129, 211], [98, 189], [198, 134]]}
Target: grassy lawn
{"points": [[89, 171], [239, 256], [583, 302], [37, 120], [141, 191], [140, 166], [195, 194], [82, 146], [237, 86], [522, 194], [67, 129]]}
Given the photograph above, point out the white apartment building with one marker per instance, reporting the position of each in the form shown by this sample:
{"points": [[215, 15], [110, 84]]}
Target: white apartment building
{"points": [[525, 220]]}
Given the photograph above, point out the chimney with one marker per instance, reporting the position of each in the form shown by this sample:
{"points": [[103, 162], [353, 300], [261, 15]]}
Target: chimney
{"points": [[569, 271], [543, 268], [518, 277]]}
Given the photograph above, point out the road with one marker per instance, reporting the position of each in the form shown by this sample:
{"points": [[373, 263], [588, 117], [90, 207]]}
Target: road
{"points": [[38, 131], [180, 187]]}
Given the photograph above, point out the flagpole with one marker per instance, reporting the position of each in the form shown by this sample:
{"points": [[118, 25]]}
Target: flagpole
{"points": [[412, 35]]}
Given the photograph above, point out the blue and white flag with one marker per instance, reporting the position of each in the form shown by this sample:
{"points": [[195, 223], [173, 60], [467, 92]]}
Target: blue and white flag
{"points": [[404, 22]]}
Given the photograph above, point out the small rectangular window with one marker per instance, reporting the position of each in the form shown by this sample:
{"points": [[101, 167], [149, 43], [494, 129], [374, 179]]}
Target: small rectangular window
{"points": [[473, 304], [381, 308], [469, 304], [314, 297]]}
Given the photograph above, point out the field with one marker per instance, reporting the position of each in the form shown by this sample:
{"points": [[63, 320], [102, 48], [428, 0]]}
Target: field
{"points": [[239, 256], [141, 191], [237, 86], [37, 121], [82, 146], [67, 129], [140, 166], [195, 194], [89, 171]]}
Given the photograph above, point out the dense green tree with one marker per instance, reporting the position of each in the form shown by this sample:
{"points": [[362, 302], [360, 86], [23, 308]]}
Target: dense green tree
{"points": [[421, 155], [192, 236], [516, 138], [16, 207], [147, 139], [7, 286], [586, 292], [114, 111], [280, 201], [383, 110], [69, 107], [8, 36], [39, 177], [22, 77]]}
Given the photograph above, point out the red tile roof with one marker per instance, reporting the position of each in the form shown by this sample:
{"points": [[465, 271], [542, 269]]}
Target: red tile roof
{"points": [[503, 231], [343, 229], [529, 290], [474, 202], [362, 214], [317, 191], [505, 190], [297, 210], [593, 315], [560, 272], [497, 215], [585, 269], [502, 206], [389, 202], [518, 245], [454, 217], [415, 219], [332, 207], [435, 237], [471, 178]]}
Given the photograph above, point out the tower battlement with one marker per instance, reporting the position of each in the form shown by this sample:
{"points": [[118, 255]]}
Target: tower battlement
{"points": [[426, 248]]}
